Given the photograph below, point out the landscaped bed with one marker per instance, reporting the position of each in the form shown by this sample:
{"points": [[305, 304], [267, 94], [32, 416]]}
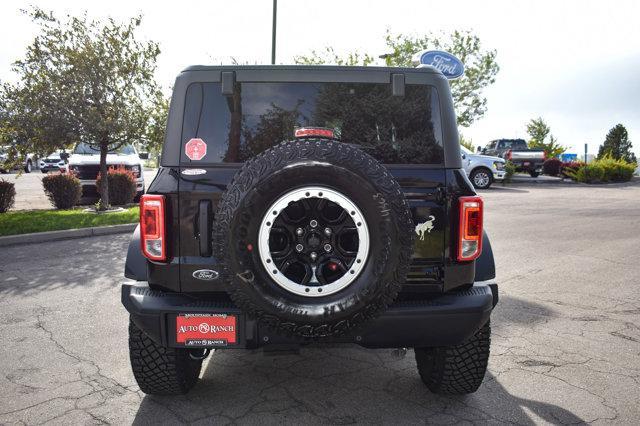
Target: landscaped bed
{"points": [[28, 221]]}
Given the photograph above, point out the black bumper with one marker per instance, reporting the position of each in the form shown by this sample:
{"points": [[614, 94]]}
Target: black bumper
{"points": [[443, 320]]}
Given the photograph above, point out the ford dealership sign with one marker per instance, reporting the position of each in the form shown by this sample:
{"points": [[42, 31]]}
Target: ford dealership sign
{"points": [[444, 62]]}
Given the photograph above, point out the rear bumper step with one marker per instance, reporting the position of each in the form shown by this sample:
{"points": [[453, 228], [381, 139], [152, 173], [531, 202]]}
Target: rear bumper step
{"points": [[443, 320]]}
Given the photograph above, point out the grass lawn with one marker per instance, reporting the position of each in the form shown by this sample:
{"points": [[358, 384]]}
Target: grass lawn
{"points": [[27, 221]]}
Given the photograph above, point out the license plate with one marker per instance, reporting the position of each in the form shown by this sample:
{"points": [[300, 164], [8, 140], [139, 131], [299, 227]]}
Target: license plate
{"points": [[526, 163], [206, 329]]}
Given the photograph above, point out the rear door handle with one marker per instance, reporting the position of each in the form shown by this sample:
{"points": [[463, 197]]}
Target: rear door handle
{"points": [[204, 227]]}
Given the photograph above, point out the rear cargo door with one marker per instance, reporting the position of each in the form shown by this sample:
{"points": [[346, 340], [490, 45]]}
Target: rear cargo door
{"points": [[203, 177], [424, 189], [222, 130]]}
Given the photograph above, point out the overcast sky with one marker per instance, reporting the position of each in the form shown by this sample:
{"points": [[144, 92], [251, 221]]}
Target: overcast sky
{"points": [[575, 63]]}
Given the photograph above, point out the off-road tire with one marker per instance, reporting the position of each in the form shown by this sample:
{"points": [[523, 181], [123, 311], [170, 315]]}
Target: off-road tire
{"points": [[325, 163], [534, 174], [159, 370], [28, 167], [456, 370]]}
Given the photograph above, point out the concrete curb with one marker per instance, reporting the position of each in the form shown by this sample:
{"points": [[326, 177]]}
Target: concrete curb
{"points": [[536, 181], [568, 182], [41, 237]]}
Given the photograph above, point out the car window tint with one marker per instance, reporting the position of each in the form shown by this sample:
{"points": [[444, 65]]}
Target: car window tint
{"points": [[260, 115]]}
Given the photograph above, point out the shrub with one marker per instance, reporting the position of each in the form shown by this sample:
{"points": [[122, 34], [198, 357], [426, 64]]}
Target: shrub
{"points": [[569, 167], [589, 173], [122, 186], [605, 169], [7, 195], [616, 170], [551, 167], [510, 170], [64, 190]]}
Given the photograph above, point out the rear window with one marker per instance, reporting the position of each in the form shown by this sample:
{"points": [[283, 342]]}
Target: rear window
{"points": [[513, 144], [260, 115]]}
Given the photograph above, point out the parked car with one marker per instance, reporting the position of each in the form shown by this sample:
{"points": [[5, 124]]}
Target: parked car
{"points": [[27, 165], [52, 162], [515, 150], [361, 227], [482, 170], [84, 162]]}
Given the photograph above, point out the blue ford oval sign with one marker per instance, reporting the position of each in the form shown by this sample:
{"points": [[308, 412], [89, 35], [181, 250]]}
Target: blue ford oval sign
{"points": [[444, 62]]}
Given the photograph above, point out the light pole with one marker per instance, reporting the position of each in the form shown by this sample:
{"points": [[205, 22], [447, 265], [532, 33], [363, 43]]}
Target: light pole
{"points": [[273, 33]]}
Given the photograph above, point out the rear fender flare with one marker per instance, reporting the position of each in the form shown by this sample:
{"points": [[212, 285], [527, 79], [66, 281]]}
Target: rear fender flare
{"points": [[135, 267], [485, 265]]}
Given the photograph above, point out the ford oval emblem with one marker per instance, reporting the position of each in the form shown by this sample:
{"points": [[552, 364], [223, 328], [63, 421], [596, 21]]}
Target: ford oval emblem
{"points": [[206, 274], [444, 62]]}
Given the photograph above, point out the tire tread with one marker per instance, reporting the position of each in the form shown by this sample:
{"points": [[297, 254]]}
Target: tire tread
{"points": [[160, 370], [456, 370]]}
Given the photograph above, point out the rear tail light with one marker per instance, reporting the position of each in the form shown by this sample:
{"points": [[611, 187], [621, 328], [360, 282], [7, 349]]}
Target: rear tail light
{"points": [[152, 229], [508, 156], [470, 240], [544, 155]]}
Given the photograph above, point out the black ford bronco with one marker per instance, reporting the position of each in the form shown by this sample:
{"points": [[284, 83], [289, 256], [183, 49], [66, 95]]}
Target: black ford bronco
{"points": [[298, 205]]}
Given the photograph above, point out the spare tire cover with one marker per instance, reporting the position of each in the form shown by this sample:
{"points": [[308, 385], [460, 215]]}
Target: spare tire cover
{"points": [[314, 236]]}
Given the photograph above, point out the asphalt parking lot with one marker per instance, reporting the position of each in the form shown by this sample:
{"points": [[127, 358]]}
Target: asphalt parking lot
{"points": [[29, 192], [566, 335]]}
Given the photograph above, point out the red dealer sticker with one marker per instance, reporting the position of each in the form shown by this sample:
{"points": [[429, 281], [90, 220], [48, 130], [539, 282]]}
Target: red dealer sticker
{"points": [[195, 149], [206, 329]]}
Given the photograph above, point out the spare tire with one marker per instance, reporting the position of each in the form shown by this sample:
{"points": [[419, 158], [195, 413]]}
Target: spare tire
{"points": [[315, 237]]}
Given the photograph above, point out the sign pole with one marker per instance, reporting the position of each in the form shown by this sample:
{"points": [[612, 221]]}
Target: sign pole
{"points": [[273, 33], [585, 152]]}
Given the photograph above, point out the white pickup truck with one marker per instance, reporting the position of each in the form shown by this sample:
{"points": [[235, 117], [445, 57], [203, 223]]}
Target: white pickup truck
{"points": [[84, 162]]}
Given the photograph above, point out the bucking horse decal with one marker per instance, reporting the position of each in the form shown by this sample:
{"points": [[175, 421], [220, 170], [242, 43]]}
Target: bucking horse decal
{"points": [[425, 228]]}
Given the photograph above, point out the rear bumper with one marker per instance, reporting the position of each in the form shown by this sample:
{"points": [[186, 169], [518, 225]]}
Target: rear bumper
{"points": [[443, 320], [534, 165]]}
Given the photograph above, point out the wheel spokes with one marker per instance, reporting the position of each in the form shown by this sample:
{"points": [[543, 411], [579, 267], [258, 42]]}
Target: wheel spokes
{"points": [[313, 244], [313, 241]]}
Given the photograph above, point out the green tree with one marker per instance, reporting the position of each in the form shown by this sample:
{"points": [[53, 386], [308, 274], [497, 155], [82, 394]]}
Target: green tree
{"points": [[81, 80], [157, 125], [329, 56], [540, 137], [617, 145], [480, 65], [467, 143]]}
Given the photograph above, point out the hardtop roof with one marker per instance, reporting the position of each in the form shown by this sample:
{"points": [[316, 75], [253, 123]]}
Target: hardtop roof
{"points": [[423, 69]]}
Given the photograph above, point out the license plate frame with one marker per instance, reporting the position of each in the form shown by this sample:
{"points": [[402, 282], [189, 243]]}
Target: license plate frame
{"points": [[206, 330]]}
